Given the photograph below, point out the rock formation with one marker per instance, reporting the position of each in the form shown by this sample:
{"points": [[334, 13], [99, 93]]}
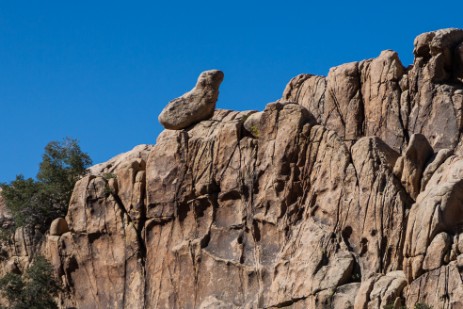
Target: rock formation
{"points": [[345, 193], [195, 105]]}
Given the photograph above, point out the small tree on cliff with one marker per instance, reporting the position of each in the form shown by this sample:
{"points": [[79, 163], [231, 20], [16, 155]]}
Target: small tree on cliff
{"points": [[62, 165], [39, 202]]}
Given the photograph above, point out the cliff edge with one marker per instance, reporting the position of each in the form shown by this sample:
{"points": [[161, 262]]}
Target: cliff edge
{"points": [[345, 193]]}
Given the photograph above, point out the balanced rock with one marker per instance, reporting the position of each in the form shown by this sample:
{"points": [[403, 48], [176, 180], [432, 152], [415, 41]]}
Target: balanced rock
{"points": [[195, 105], [58, 227]]}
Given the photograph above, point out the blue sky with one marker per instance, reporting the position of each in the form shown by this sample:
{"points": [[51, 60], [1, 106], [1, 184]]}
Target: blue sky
{"points": [[101, 71]]}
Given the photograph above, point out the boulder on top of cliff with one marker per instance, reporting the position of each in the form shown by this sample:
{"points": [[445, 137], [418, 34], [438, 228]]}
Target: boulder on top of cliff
{"points": [[58, 227], [195, 105]]}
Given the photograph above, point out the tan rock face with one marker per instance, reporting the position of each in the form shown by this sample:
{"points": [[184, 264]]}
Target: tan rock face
{"points": [[410, 166], [101, 258], [275, 209], [346, 193], [356, 99]]}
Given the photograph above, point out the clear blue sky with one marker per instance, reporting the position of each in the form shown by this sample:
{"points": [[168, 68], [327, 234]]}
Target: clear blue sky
{"points": [[101, 71]]}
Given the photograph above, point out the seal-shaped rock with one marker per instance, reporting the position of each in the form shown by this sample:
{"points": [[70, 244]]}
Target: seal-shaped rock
{"points": [[195, 105]]}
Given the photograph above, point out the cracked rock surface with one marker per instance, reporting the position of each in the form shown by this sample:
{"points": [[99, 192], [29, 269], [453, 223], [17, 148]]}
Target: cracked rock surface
{"points": [[345, 193]]}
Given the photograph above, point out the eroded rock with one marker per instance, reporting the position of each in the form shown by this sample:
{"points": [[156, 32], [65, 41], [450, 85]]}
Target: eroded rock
{"points": [[195, 105], [58, 227], [346, 193], [410, 166]]}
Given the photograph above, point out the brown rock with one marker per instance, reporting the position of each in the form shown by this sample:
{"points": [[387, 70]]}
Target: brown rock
{"points": [[299, 275], [436, 251], [441, 287], [436, 48], [437, 208], [356, 99], [107, 169], [432, 95], [344, 295], [105, 243], [381, 290], [58, 227], [459, 62], [343, 102], [381, 95], [331, 197], [410, 166], [253, 124], [195, 105], [434, 164], [308, 91]]}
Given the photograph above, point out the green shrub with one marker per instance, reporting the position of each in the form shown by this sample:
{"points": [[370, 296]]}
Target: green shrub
{"points": [[34, 290], [109, 176], [255, 131], [417, 306], [38, 202], [422, 306]]}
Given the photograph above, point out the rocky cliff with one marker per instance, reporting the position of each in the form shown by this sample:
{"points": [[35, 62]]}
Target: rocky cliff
{"points": [[345, 193]]}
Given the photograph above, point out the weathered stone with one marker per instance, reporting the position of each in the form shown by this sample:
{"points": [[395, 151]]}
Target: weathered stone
{"points": [[343, 101], [105, 243], [308, 91], [381, 95], [253, 124], [435, 110], [436, 252], [436, 48], [107, 169], [439, 158], [344, 295], [382, 202], [356, 99], [346, 193], [11, 266], [437, 208], [410, 166], [58, 227], [195, 105], [440, 288], [459, 62], [380, 291]]}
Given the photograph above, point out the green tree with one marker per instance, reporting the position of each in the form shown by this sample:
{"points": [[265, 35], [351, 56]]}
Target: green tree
{"points": [[39, 202], [62, 165], [11, 286], [22, 199], [34, 290], [422, 306]]}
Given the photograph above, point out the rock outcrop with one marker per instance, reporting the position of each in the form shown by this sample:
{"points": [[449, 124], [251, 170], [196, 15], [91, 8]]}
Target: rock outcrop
{"points": [[195, 105], [345, 193]]}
